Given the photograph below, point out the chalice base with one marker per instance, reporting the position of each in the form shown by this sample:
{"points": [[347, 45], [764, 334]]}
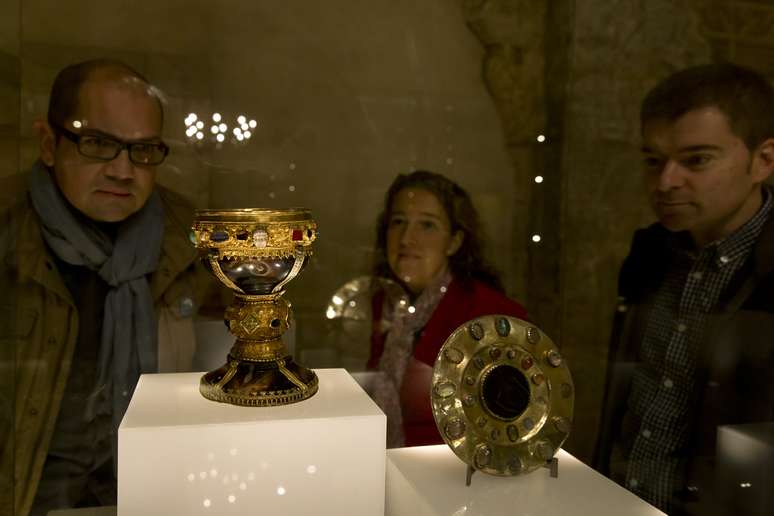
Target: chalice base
{"points": [[260, 383]]}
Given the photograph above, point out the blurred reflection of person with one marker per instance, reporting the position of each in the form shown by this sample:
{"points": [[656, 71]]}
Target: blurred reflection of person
{"points": [[693, 340], [429, 241]]}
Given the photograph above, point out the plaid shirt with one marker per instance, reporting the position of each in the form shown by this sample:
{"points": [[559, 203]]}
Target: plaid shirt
{"points": [[663, 382]]}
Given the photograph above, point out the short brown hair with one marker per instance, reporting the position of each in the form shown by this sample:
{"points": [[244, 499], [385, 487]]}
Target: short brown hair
{"points": [[743, 95], [63, 102]]}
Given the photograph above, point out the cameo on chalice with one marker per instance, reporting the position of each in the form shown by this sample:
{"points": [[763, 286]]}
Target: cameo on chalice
{"points": [[256, 253]]}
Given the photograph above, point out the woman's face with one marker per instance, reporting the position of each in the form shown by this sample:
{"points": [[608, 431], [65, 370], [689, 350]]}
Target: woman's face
{"points": [[419, 238]]}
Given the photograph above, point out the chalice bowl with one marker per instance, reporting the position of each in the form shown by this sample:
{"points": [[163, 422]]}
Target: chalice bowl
{"points": [[256, 253]]}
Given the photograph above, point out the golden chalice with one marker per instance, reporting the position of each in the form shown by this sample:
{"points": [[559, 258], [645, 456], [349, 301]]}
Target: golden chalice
{"points": [[256, 253]]}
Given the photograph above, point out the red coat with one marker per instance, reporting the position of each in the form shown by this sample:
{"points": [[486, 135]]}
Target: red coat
{"points": [[460, 304]]}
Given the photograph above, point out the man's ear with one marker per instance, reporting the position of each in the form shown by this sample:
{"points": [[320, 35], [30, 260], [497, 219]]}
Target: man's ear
{"points": [[763, 161], [455, 243], [47, 139]]}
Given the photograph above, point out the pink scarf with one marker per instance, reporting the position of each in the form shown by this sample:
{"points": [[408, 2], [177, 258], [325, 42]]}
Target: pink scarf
{"points": [[403, 323]]}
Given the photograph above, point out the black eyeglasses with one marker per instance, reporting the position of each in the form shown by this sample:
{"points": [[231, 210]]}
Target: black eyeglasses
{"points": [[106, 148]]}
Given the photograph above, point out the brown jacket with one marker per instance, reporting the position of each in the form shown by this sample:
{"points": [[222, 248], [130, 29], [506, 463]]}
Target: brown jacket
{"points": [[39, 328]]}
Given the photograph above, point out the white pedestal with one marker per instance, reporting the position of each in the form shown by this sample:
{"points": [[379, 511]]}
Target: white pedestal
{"points": [[430, 481], [179, 453]]}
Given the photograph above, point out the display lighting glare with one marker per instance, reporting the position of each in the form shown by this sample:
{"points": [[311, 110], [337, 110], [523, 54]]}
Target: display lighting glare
{"points": [[536, 238], [240, 137], [241, 119], [236, 131], [190, 131], [77, 124], [220, 137], [200, 135], [541, 138], [245, 127], [214, 129], [223, 128], [200, 125], [538, 179], [216, 117], [411, 309], [337, 300], [193, 116], [247, 134], [330, 313], [253, 124]]}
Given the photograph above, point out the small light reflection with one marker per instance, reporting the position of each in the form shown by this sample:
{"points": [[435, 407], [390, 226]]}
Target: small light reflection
{"points": [[191, 477], [541, 138], [745, 485], [192, 116], [443, 290], [232, 452], [292, 166], [402, 302], [311, 469], [231, 498], [292, 188], [77, 124], [245, 127], [223, 128], [352, 304], [207, 502], [203, 475], [213, 473], [216, 117], [337, 300], [271, 195], [199, 135], [330, 313], [247, 134], [411, 309], [251, 476], [242, 486], [220, 137], [240, 137], [538, 179], [241, 119], [536, 238], [200, 125], [214, 129], [449, 161], [281, 491], [253, 124]]}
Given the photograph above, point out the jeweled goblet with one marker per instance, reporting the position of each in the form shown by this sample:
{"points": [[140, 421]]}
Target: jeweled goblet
{"points": [[256, 253]]}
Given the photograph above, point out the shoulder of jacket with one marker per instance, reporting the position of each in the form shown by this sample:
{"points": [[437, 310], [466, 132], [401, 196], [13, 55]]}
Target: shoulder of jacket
{"points": [[13, 191]]}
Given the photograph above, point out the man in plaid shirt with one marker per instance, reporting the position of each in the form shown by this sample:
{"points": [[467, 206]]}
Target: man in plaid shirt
{"points": [[693, 338]]}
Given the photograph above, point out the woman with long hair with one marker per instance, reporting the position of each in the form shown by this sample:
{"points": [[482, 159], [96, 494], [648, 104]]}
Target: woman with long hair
{"points": [[429, 242]]}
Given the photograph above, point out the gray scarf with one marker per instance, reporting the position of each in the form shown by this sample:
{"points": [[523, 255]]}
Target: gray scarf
{"points": [[129, 340]]}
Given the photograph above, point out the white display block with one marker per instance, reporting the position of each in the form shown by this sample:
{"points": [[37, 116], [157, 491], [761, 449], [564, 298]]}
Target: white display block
{"points": [[181, 454], [430, 481]]}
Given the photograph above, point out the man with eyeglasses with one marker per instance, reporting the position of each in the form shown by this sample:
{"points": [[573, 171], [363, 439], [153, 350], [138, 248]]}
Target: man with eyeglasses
{"points": [[102, 281]]}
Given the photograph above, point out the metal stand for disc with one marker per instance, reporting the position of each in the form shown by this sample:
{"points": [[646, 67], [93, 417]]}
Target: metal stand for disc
{"points": [[552, 465]]}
